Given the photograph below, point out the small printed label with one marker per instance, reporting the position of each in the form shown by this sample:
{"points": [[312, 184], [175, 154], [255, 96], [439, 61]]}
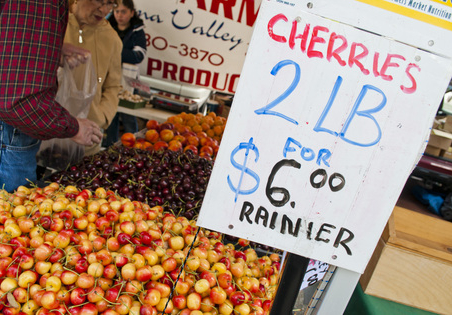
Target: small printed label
{"points": [[435, 12]]}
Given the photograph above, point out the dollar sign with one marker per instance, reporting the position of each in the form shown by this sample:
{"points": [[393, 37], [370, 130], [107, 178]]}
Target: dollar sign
{"points": [[242, 167]]}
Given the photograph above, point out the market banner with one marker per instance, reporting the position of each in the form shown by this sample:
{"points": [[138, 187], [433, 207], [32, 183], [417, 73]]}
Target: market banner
{"points": [[197, 42]]}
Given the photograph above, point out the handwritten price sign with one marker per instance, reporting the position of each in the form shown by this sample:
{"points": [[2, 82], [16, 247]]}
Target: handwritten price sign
{"points": [[326, 126]]}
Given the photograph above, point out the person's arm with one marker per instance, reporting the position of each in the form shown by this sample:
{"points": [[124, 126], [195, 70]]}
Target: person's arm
{"points": [[136, 55], [31, 37], [88, 133]]}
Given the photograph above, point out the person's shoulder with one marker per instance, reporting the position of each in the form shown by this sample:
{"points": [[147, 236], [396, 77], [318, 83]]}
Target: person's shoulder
{"points": [[72, 21]]}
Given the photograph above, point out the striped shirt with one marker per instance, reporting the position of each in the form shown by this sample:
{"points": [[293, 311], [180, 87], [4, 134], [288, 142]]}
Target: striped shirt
{"points": [[31, 37]]}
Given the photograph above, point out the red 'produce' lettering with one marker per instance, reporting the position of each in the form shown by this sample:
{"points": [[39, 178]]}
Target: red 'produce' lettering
{"points": [[201, 77]]}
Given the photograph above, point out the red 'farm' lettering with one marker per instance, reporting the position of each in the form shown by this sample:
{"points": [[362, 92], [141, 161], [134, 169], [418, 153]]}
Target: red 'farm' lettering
{"points": [[246, 6]]}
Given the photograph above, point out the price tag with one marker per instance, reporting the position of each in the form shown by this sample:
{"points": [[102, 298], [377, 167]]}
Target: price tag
{"points": [[315, 273], [326, 126]]}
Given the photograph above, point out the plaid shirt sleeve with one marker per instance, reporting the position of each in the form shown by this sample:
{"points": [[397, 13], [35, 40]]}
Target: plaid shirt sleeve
{"points": [[31, 37]]}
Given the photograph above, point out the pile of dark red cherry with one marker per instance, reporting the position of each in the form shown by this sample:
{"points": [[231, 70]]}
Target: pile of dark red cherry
{"points": [[175, 180]]}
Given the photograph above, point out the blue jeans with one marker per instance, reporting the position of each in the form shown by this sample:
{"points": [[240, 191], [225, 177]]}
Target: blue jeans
{"points": [[17, 157], [128, 121]]}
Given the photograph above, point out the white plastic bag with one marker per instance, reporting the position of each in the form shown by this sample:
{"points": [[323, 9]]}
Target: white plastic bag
{"points": [[76, 90]]}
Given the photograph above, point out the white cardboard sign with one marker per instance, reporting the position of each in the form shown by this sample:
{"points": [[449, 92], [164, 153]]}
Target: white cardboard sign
{"points": [[326, 125]]}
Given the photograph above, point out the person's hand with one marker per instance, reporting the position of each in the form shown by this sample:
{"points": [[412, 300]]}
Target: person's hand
{"points": [[74, 55], [88, 133]]}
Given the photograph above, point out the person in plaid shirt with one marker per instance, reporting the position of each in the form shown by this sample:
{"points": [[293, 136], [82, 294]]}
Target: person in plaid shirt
{"points": [[31, 48]]}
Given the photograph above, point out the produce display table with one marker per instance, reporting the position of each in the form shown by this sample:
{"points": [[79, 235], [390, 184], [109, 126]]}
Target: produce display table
{"points": [[364, 304]]}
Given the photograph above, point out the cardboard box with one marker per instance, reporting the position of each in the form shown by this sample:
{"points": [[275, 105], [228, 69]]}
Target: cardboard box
{"points": [[440, 139], [446, 154], [412, 263], [448, 123], [132, 105], [438, 123], [433, 150]]}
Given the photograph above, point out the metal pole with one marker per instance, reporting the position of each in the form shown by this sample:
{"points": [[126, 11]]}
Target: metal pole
{"points": [[289, 286], [338, 292]]}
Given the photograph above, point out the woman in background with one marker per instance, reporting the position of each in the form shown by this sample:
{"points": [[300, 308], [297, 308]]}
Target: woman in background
{"points": [[88, 28], [130, 29]]}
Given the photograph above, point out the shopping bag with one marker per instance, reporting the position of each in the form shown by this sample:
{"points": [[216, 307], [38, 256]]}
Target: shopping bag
{"points": [[76, 90]]}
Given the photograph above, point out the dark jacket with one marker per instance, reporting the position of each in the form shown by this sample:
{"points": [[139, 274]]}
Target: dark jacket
{"points": [[133, 40]]}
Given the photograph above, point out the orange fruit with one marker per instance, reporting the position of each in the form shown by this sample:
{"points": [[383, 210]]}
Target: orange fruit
{"points": [[180, 138], [128, 139], [178, 119], [205, 126], [217, 138], [138, 145], [181, 128], [201, 134], [146, 144], [152, 135], [166, 135], [152, 124], [175, 145], [191, 123], [219, 121], [210, 133], [203, 141], [209, 120], [207, 149], [218, 130], [196, 128], [193, 140], [160, 145]]}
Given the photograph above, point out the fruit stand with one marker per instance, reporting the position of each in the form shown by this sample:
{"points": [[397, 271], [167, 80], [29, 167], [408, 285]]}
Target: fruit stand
{"points": [[121, 232], [117, 234]]}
